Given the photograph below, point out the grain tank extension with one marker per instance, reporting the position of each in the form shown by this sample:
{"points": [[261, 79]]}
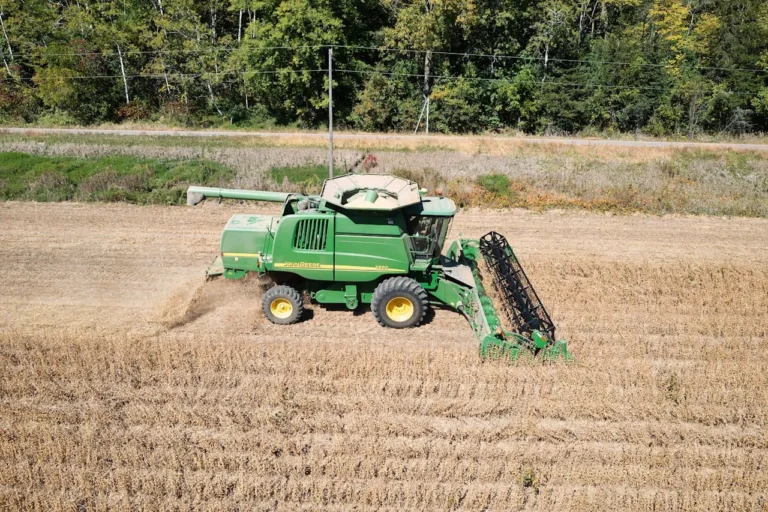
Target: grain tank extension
{"points": [[378, 240]]}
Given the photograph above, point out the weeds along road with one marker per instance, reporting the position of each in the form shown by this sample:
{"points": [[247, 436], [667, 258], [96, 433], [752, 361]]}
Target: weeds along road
{"points": [[362, 137], [127, 382]]}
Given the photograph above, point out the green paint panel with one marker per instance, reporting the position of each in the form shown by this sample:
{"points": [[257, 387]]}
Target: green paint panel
{"points": [[304, 245], [362, 258], [372, 223], [244, 239], [339, 292], [450, 294]]}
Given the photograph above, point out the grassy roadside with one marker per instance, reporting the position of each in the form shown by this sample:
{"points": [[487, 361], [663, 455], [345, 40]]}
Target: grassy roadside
{"points": [[115, 178], [688, 183], [729, 183]]}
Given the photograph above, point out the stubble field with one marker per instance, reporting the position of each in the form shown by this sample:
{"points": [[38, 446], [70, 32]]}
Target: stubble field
{"points": [[126, 382]]}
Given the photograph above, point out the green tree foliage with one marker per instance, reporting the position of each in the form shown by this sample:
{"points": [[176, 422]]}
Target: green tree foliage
{"points": [[285, 79], [542, 66]]}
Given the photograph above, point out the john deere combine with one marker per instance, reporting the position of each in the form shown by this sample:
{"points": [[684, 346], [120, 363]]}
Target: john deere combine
{"points": [[378, 240]]}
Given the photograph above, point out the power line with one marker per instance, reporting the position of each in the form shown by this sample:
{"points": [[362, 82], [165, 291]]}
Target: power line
{"points": [[542, 83], [547, 59], [386, 49], [352, 71], [43, 53], [479, 79], [177, 74]]}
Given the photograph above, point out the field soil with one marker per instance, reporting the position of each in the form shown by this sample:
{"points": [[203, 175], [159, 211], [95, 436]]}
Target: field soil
{"points": [[128, 382]]}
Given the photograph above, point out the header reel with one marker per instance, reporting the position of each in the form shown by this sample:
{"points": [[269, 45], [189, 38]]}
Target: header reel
{"points": [[521, 324]]}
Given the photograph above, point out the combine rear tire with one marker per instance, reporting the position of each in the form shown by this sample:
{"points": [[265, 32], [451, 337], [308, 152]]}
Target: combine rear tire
{"points": [[282, 305], [399, 302]]}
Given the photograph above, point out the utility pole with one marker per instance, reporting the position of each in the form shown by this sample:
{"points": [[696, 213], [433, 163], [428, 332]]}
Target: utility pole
{"points": [[421, 116], [427, 86], [122, 70], [330, 112]]}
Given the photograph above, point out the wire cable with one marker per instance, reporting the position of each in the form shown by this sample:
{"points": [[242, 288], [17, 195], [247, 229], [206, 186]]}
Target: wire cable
{"points": [[542, 83], [547, 59], [175, 74], [44, 53], [385, 49]]}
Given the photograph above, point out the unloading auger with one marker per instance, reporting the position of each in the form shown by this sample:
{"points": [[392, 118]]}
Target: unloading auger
{"points": [[378, 240]]}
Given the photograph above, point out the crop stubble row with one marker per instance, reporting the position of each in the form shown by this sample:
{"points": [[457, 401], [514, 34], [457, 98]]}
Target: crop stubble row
{"points": [[124, 382]]}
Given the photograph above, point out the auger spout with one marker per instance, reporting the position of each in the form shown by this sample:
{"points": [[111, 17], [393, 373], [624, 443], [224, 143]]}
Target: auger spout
{"points": [[197, 194]]}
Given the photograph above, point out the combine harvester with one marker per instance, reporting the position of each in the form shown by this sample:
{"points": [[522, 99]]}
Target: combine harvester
{"points": [[378, 240]]}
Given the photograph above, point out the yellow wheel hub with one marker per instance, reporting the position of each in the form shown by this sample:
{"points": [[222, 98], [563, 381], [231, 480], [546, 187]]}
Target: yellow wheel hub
{"points": [[281, 308], [400, 309]]}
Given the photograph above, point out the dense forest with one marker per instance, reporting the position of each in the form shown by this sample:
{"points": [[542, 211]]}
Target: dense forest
{"points": [[661, 67]]}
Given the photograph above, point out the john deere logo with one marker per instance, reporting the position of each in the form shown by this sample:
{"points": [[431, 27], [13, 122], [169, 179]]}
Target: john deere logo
{"points": [[300, 264]]}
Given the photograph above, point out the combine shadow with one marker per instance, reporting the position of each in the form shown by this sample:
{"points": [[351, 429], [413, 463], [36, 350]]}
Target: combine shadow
{"points": [[335, 307], [365, 309], [309, 314], [429, 316], [362, 309]]}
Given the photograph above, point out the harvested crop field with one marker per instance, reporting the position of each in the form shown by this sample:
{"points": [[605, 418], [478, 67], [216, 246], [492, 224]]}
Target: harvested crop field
{"points": [[126, 382]]}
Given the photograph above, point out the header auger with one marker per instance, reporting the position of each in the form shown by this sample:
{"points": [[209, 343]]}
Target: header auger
{"points": [[378, 240]]}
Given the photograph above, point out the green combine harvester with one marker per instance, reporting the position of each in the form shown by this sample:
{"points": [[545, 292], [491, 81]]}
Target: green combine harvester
{"points": [[378, 240]]}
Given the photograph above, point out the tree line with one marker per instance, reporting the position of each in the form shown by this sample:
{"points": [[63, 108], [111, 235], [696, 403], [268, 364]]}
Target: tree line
{"points": [[541, 66]]}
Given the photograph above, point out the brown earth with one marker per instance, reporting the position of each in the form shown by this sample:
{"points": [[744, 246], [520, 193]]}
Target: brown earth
{"points": [[126, 382]]}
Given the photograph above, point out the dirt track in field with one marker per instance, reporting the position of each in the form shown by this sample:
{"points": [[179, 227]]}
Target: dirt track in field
{"points": [[127, 382]]}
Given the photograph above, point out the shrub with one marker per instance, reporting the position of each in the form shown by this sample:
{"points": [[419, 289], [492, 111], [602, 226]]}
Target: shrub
{"points": [[130, 179], [494, 183]]}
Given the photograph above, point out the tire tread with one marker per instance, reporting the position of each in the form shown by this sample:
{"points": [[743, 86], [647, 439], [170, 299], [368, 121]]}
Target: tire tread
{"points": [[398, 284], [287, 292]]}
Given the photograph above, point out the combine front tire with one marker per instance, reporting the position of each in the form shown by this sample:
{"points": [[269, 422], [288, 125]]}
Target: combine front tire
{"points": [[282, 305], [399, 302]]}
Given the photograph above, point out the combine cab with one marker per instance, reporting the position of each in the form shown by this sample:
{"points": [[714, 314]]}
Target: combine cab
{"points": [[379, 240]]}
